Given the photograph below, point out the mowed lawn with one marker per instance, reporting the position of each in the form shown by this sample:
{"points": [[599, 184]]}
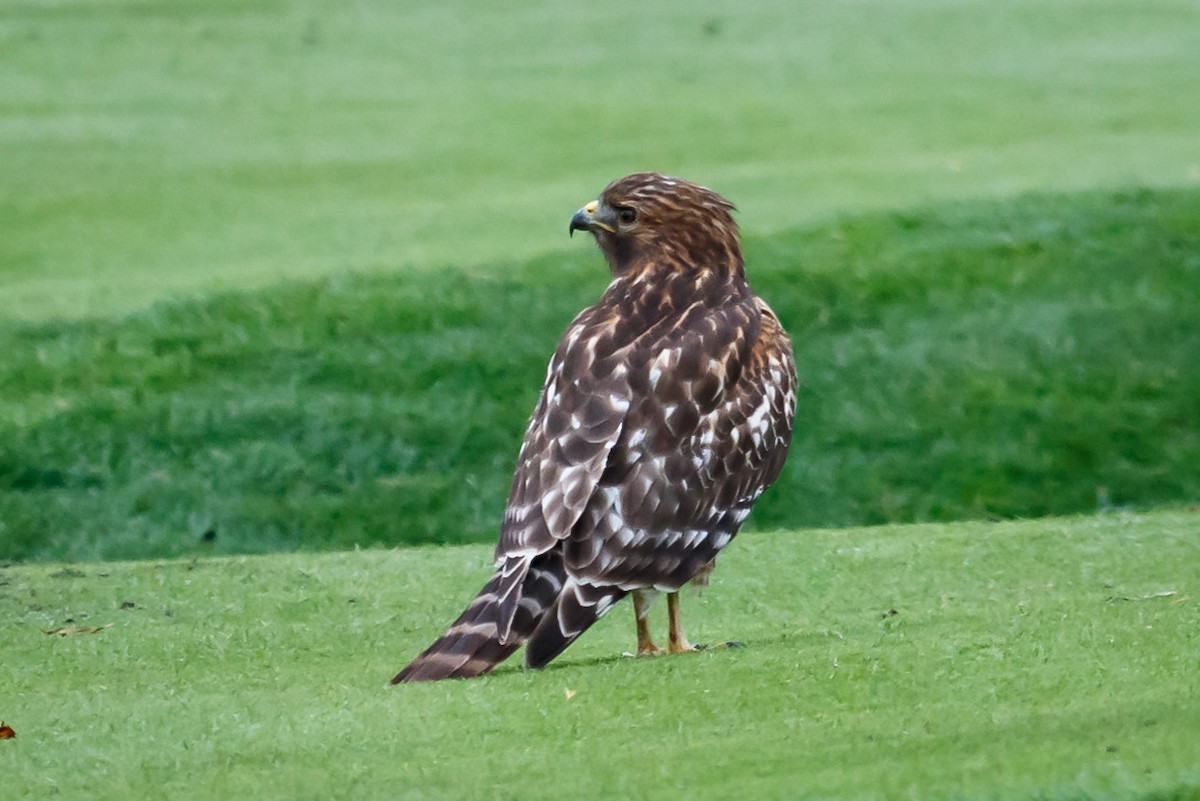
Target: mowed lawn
{"points": [[164, 149], [1053, 659], [1003, 358], [274, 276], [259, 263]]}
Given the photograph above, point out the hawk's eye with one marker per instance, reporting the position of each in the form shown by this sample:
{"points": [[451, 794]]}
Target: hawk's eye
{"points": [[626, 215]]}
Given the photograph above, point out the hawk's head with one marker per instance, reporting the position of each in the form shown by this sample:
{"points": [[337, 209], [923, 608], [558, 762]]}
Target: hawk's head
{"points": [[649, 219]]}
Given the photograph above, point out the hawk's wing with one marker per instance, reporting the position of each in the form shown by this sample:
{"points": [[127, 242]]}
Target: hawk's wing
{"points": [[695, 452], [574, 426]]}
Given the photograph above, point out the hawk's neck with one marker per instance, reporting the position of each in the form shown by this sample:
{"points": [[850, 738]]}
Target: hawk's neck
{"points": [[652, 294]]}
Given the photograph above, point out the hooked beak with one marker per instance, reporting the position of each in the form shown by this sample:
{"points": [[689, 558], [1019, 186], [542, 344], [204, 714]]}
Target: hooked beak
{"points": [[593, 216]]}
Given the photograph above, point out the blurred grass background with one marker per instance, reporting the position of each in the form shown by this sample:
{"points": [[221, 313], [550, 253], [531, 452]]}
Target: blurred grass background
{"points": [[999, 359], [275, 275], [158, 149]]}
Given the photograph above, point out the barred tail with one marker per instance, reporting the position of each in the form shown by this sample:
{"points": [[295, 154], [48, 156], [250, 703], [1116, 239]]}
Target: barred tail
{"points": [[472, 646], [577, 607]]}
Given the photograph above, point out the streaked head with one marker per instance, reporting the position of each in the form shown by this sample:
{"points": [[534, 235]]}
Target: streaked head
{"points": [[647, 217]]}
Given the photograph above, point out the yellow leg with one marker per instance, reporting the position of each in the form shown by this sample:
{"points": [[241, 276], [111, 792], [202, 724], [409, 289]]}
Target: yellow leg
{"points": [[677, 642], [642, 599]]}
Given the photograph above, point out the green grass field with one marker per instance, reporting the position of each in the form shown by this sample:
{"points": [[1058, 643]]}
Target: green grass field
{"points": [[155, 150], [1008, 358], [277, 276], [1051, 659]]}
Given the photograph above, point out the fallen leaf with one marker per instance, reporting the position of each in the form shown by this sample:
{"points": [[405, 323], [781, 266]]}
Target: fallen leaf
{"points": [[67, 631], [6, 731], [569, 694]]}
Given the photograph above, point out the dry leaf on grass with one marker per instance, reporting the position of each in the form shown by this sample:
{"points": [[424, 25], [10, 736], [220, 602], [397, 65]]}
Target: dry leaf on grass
{"points": [[67, 631], [6, 731]]}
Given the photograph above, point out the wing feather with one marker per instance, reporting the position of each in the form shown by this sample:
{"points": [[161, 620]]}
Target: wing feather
{"points": [[693, 454], [574, 426]]}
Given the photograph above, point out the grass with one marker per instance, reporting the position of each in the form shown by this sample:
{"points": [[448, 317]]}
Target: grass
{"points": [[170, 150], [1015, 358], [280, 277], [1054, 659], [276, 276]]}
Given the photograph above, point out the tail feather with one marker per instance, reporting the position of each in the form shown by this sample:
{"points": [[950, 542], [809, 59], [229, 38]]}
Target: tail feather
{"points": [[472, 645], [577, 607]]}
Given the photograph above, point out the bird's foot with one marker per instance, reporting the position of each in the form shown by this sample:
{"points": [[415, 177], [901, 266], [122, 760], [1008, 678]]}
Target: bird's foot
{"points": [[646, 649], [649, 650]]}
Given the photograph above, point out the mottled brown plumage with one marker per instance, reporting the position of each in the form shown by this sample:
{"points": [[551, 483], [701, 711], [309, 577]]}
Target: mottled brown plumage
{"points": [[666, 412]]}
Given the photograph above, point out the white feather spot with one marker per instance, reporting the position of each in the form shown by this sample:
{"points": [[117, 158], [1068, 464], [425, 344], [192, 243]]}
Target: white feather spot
{"points": [[486, 629], [604, 605], [666, 358], [757, 421], [552, 580]]}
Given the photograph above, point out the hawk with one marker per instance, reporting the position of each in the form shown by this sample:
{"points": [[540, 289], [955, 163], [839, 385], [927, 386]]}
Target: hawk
{"points": [[666, 411]]}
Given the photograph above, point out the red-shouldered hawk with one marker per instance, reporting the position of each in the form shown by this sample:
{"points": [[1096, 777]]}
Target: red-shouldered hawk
{"points": [[666, 412]]}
